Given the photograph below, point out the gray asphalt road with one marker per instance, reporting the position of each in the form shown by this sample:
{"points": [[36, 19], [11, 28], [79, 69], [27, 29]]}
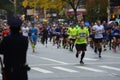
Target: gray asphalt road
{"points": [[51, 63]]}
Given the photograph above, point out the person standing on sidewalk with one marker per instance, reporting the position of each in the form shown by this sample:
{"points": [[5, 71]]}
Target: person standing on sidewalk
{"points": [[14, 48], [82, 35]]}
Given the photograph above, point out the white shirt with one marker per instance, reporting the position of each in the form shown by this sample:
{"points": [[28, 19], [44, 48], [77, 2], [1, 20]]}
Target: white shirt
{"points": [[25, 31], [99, 30]]}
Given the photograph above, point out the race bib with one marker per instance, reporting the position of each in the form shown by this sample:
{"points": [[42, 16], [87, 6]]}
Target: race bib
{"points": [[116, 34], [82, 35], [73, 37], [100, 31], [33, 33]]}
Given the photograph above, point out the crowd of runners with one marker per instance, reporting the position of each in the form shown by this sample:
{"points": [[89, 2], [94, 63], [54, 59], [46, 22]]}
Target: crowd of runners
{"points": [[100, 35]]}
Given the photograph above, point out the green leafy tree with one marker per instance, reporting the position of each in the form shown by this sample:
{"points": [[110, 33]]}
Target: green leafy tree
{"points": [[49, 5], [96, 9], [46, 4]]}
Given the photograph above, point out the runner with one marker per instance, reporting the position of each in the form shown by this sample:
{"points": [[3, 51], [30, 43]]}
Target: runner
{"points": [[98, 30], [116, 36], [44, 35], [58, 36], [72, 34], [53, 33], [91, 37], [81, 41], [50, 32], [105, 36], [65, 38], [33, 36], [25, 30]]}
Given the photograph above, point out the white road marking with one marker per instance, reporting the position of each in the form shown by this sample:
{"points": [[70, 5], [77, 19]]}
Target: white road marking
{"points": [[48, 59], [41, 70], [53, 60], [112, 57], [112, 68], [65, 69], [89, 69], [95, 63], [90, 59]]}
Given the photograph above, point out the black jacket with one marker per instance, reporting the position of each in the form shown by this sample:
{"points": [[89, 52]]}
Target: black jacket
{"points": [[14, 49]]}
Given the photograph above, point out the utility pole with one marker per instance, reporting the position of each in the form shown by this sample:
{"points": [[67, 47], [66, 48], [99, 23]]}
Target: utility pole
{"points": [[45, 16], [108, 11], [34, 11], [14, 7]]}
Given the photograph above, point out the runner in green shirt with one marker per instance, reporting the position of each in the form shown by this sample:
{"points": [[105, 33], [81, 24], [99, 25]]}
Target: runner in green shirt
{"points": [[72, 36], [81, 41]]}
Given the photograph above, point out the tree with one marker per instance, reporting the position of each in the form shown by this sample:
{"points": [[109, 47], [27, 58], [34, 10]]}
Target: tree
{"points": [[9, 7], [96, 9], [6, 5], [74, 4], [47, 5], [59, 8], [114, 2]]}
